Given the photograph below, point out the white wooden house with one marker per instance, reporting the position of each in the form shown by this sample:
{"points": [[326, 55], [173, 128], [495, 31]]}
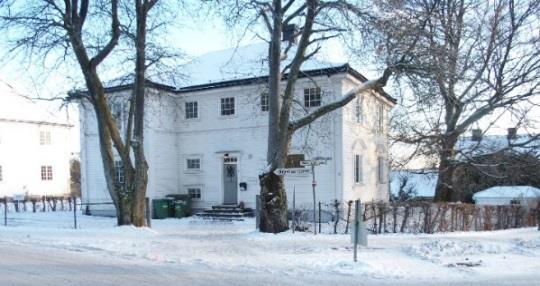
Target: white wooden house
{"points": [[207, 137], [36, 145]]}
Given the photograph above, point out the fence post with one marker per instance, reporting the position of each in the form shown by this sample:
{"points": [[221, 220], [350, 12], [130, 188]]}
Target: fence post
{"points": [[320, 212], [147, 212], [75, 212], [5, 210]]}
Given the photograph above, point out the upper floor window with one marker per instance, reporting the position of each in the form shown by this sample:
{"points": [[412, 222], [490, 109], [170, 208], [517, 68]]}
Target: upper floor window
{"points": [[119, 114], [227, 106], [193, 164], [119, 175], [358, 176], [380, 170], [359, 109], [192, 110], [380, 118], [264, 101], [312, 97], [46, 173], [45, 137]]}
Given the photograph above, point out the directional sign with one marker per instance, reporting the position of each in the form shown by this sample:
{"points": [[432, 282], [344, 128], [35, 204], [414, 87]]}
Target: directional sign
{"points": [[292, 172], [312, 162]]}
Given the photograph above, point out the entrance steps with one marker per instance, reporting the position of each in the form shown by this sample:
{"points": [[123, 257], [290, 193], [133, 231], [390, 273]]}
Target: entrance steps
{"points": [[225, 213]]}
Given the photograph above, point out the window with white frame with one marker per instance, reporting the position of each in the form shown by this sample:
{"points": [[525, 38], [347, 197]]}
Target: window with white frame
{"points": [[359, 109], [380, 170], [380, 118], [195, 193], [227, 106], [119, 175], [45, 137], [192, 110], [264, 101], [312, 97], [358, 170], [119, 114], [1, 174], [46, 173], [193, 164]]}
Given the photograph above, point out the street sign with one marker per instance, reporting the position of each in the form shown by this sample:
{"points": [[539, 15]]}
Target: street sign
{"points": [[312, 162], [292, 172]]}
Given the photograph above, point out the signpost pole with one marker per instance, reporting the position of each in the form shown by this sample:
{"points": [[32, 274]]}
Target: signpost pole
{"points": [[293, 209], [75, 212], [5, 210], [314, 184], [356, 226]]}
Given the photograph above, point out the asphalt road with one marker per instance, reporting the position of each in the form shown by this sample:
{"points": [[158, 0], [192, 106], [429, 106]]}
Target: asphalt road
{"points": [[21, 266]]}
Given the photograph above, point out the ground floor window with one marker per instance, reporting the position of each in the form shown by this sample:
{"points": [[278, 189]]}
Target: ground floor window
{"points": [[119, 175], [195, 193], [358, 176], [46, 173]]}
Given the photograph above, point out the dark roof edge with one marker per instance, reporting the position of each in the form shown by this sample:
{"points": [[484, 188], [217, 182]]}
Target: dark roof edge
{"points": [[346, 68]]}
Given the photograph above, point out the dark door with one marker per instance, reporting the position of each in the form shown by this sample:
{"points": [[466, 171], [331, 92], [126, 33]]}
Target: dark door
{"points": [[230, 183]]}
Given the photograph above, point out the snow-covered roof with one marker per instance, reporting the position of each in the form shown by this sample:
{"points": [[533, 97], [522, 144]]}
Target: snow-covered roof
{"points": [[240, 63], [508, 192], [492, 143], [18, 108], [422, 182], [237, 66]]}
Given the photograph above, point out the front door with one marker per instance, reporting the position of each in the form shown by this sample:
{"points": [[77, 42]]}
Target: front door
{"points": [[230, 181]]}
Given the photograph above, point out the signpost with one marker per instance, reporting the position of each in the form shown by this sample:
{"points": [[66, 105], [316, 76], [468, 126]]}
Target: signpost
{"points": [[314, 162], [359, 233], [292, 172]]}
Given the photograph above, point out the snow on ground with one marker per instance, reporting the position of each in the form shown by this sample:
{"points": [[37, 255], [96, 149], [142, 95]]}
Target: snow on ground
{"points": [[203, 253]]}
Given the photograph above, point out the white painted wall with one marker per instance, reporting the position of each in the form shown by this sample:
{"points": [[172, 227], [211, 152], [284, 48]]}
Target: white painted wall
{"points": [[22, 155], [171, 139]]}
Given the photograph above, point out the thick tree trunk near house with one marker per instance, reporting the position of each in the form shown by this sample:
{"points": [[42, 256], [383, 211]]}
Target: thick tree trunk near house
{"points": [[444, 191], [274, 212]]}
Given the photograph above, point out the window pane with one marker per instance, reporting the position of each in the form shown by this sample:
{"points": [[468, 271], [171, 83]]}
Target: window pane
{"points": [[192, 110], [227, 106], [119, 175], [45, 137], [312, 97], [193, 163], [195, 193], [264, 102]]}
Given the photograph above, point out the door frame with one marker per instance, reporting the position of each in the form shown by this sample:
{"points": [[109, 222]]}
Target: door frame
{"points": [[222, 178]]}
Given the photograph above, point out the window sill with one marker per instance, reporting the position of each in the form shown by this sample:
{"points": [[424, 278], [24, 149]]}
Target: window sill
{"points": [[193, 171]]}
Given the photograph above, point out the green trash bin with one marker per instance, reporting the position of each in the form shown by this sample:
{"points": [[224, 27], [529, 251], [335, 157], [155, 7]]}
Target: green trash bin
{"points": [[181, 209], [181, 205], [161, 208]]}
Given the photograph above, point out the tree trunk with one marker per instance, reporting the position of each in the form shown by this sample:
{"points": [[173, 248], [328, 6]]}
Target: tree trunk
{"points": [[444, 191], [273, 204]]}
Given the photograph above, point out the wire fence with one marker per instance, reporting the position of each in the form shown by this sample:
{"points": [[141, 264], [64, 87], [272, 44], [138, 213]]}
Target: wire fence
{"points": [[413, 217], [17, 212]]}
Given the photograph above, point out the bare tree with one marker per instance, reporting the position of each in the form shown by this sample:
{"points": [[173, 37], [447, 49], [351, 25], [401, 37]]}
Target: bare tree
{"points": [[318, 21], [474, 60], [72, 28]]}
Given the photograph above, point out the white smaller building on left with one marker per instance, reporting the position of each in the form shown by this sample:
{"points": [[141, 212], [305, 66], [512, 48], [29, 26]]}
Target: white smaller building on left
{"points": [[37, 142]]}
